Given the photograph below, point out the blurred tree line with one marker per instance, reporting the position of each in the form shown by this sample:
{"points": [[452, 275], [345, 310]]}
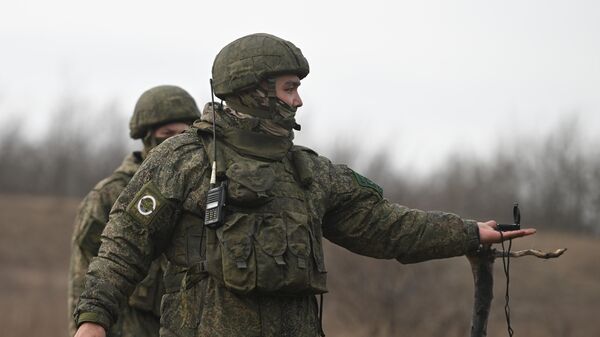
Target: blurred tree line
{"points": [[77, 148], [555, 179]]}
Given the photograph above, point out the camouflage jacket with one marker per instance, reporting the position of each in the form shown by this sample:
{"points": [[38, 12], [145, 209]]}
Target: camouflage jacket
{"points": [[90, 221], [162, 211]]}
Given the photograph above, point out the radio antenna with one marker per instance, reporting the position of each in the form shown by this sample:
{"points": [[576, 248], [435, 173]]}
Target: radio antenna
{"points": [[213, 174]]}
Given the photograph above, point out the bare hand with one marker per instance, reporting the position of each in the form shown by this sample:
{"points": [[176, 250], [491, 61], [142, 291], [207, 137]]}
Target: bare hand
{"points": [[90, 330], [488, 233]]}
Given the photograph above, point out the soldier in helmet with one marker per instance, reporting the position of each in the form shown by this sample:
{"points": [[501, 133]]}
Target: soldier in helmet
{"points": [[160, 113], [254, 266]]}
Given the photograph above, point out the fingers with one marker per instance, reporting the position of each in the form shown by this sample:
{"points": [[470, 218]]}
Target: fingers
{"points": [[518, 233]]}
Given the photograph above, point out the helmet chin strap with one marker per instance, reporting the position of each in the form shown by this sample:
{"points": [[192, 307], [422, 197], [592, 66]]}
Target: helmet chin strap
{"points": [[272, 95]]}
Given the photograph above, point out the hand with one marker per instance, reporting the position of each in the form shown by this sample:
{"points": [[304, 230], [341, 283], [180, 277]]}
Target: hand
{"points": [[488, 233], [90, 330]]}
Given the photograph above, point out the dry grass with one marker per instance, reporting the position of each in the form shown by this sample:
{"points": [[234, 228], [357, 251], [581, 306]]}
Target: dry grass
{"points": [[34, 252], [548, 297], [368, 297]]}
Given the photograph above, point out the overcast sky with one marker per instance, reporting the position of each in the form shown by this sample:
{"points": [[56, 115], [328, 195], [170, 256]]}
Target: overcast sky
{"points": [[418, 77]]}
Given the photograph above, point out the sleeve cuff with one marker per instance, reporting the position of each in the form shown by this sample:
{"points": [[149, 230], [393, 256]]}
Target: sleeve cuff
{"points": [[473, 242], [93, 317]]}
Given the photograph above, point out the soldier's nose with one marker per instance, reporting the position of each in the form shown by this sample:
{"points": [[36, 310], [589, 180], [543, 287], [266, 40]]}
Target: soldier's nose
{"points": [[298, 101]]}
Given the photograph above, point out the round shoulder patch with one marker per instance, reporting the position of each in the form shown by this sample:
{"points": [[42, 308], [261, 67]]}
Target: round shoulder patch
{"points": [[146, 205]]}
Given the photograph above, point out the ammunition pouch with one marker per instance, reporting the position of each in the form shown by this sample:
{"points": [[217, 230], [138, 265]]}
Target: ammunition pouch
{"points": [[270, 253]]}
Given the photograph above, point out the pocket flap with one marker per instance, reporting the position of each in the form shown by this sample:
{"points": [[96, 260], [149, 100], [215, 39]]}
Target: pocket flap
{"points": [[236, 236], [298, 236], [256, 176], [271, 236]]}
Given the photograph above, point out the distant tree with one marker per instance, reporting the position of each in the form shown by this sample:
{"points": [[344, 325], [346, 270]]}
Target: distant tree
{"points": [[79, 147]]}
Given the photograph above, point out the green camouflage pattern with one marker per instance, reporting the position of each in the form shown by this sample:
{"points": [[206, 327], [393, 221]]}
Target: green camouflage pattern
{"points": [[208, 298], [141, 316], [245, 62], [160, 105]]}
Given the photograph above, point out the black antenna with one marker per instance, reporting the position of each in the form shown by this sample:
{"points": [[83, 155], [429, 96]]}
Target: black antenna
{"points": [[516, 213], [213, 176]]}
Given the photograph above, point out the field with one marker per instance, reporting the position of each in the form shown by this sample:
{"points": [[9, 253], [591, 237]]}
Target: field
{"points": [[367, 297]]}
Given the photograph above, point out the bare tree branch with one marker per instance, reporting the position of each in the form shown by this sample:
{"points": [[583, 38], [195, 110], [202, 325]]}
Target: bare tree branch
{"points": [[532, 252], [482, 267]]}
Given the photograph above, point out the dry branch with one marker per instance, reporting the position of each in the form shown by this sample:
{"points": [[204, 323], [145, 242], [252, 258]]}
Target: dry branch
{"points": [[482, 267], [532, 252]]}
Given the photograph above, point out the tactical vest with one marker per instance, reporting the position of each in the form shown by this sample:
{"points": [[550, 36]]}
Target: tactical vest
{"points": [[270, 241]]}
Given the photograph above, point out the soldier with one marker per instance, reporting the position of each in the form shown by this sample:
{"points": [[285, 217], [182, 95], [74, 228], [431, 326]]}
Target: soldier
{"points": [[160, 113], [256, 273]]}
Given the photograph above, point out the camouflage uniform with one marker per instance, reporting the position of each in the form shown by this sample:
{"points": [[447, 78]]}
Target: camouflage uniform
{"points": [[257, 274], [141, 315]]}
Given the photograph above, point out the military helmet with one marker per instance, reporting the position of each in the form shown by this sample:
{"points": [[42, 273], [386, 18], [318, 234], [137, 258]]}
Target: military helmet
{"points": [[247, 61], [161, 105]]}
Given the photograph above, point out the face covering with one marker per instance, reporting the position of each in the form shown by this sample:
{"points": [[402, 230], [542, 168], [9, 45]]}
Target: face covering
{"points": [[278, 121], [247, 134], [151, 142]]}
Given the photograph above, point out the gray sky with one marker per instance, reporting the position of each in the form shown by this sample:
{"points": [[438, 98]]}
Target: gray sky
{"points": [[418, 77]]}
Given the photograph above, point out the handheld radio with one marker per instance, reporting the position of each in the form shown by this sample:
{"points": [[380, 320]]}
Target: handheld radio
{"points": [[517, 221]]}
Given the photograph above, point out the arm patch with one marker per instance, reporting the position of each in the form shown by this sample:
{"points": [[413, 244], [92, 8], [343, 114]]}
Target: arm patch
{"points": [[366, 182], [147, 204]]}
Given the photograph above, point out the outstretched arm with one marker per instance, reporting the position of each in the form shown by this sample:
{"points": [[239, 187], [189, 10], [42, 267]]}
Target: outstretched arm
{"points": [[360, 219]]}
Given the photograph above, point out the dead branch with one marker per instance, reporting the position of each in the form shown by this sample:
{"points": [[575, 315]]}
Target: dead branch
{"points": [[482, 267], [532, 252]]}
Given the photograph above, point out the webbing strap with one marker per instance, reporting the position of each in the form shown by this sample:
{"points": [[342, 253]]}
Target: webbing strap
{"points": [[187, 279]]}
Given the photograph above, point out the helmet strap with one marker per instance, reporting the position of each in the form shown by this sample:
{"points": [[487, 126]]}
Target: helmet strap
{"points": [[272, 95]]}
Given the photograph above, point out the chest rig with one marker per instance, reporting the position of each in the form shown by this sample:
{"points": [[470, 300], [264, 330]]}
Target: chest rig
{"points": [[270, 240]]}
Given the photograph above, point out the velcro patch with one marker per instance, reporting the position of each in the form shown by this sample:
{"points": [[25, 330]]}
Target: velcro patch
{"points": [[146, 204], [366, 182]]}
